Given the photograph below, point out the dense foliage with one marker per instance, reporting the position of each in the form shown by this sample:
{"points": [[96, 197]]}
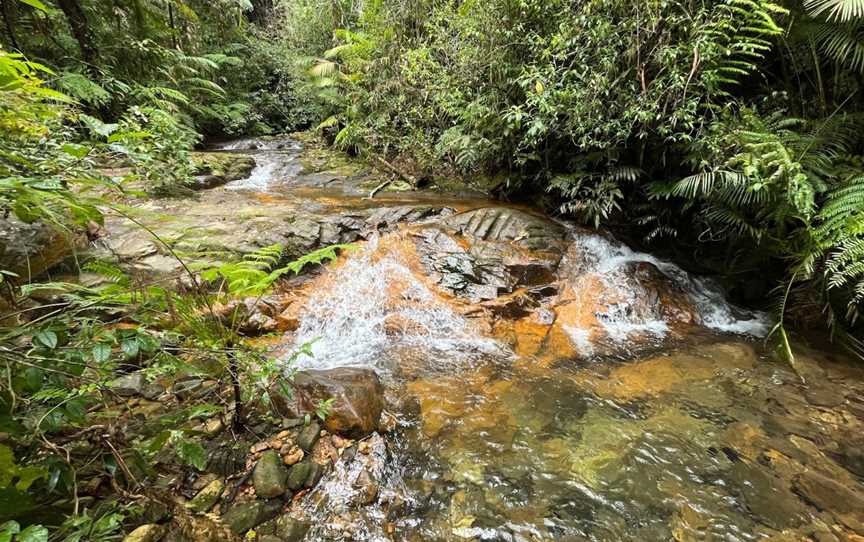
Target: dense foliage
{"points": [[725, 133]]}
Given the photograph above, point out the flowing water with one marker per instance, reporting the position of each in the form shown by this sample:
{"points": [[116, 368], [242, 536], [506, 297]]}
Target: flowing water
{"points": [[615, 398]]}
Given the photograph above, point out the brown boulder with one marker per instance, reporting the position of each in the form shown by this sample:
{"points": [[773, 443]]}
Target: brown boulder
{"points": [[357, 396]]}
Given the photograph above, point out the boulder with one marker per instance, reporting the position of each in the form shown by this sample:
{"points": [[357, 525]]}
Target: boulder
{"points": [[31, 249], [357, 398], [248, 515], [207, 497], [270, 476], [146, 533]]}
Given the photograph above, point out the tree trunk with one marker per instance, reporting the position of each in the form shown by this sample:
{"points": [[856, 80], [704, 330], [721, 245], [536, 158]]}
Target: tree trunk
{"points": [[80, 29]]}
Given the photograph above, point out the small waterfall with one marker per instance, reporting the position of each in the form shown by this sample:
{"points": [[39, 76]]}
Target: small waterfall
{"points": [[276, 160], [379, 315], [612, 261]]}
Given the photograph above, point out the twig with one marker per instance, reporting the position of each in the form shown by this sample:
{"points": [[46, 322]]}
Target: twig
{"points": [[379, 188]]}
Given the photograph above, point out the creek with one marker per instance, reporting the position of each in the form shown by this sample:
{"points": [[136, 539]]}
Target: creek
{"points": [[546, 381]]}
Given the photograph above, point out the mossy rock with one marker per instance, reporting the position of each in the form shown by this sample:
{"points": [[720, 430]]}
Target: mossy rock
{"points": [[217, 168]]}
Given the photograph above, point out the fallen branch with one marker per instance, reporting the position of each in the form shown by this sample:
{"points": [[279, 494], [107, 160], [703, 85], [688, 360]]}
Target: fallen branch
{"points": [[379, 188], [396, 171]]}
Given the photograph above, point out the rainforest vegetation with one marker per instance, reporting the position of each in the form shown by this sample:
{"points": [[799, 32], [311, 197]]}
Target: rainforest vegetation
{"points": [[725, 135]]}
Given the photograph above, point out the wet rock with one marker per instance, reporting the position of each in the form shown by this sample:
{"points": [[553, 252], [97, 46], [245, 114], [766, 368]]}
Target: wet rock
{"points": [[270, 475], [659, 297], [129, 385], [824, 396], [309, 436], [356, 394], [146, 533], [299, 474], [484, 270], [285, 528], [367, 488], [509, 225], [207, 497], [833, 497], [245, 516], [850, 454], [315, 473], [216, 169]]}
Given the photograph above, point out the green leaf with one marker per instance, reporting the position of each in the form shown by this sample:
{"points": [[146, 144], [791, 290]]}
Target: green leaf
{"points": [[192, 453], [28, 475], [101, 352], [33, 533], [8, 529], [75, 150], [46, 338], [35, 3], [158, 442], [97, 126], [130, 347]]}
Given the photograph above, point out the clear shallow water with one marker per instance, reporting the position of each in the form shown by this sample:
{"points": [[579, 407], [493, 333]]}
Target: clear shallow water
{"points": [[699, 437]]}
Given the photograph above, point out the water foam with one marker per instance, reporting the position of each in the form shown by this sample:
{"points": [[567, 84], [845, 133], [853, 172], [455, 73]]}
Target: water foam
{"points": [[609, 259], [275, 161], [353, 324]]}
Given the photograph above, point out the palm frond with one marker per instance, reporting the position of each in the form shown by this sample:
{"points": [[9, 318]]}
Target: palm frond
{"points": [[836, 10]]}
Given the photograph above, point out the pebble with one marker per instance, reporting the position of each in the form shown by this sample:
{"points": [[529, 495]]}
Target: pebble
{"points": [[340, 442], [294, 456], [259, 447]]}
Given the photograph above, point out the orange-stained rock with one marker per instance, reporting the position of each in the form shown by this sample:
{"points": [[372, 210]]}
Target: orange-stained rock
{"points": [[356, 394]]}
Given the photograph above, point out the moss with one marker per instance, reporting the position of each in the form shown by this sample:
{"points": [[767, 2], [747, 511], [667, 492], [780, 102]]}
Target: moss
{"points": [[230, 166]]}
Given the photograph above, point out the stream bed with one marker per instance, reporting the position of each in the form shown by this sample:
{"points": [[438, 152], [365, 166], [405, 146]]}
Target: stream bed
{"points": [[544, 381]]}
